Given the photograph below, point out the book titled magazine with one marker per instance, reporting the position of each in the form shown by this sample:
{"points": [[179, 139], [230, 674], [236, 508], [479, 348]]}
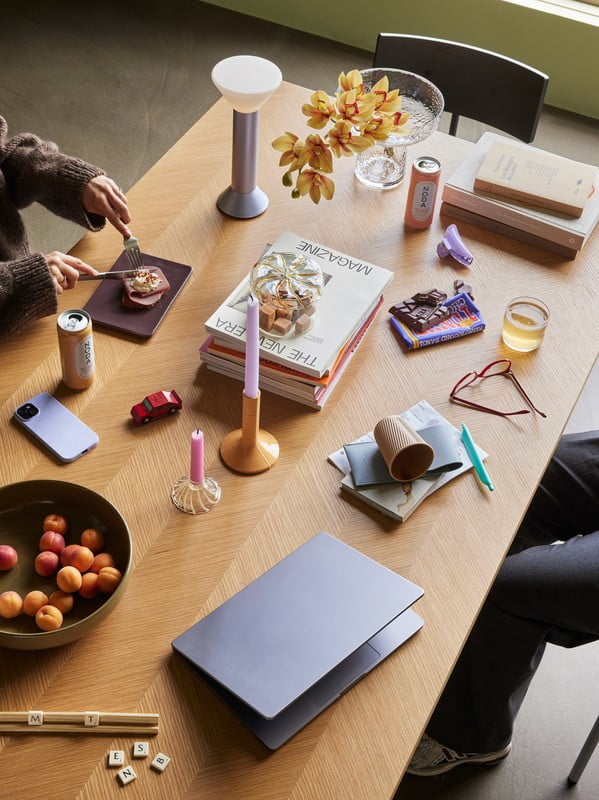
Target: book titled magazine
{"points": [[353, 287]]}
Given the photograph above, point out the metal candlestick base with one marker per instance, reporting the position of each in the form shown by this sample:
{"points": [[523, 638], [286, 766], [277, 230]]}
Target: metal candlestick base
{"points": [[249, 449], [195, 498]]}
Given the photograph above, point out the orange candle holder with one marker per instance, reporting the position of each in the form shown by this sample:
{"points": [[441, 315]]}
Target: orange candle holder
{"points": [[249, 449]]}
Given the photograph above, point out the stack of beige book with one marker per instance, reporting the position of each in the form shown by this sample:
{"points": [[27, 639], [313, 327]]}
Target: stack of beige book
{"points": [[525, 193]]}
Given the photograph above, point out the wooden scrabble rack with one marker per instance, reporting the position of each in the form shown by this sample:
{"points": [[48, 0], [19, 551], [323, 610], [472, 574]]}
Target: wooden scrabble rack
{"points": [[78, 722]]}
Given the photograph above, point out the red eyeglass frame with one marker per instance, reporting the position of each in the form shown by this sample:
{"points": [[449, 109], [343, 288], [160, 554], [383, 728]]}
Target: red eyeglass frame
{"points": [[507, 372]]}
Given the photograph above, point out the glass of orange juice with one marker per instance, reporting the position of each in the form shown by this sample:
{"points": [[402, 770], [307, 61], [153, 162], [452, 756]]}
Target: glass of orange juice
{"points": [[524, 323]]}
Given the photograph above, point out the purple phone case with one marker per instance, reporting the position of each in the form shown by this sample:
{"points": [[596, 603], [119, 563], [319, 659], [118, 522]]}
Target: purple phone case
{"points": [[57, 428]]}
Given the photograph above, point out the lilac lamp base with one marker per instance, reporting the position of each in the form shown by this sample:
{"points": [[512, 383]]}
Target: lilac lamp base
{"points": [[242, 205]]}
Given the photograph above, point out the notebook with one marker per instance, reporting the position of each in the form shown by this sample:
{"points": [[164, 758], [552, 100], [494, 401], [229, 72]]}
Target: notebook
{"points": [[291, 642]]}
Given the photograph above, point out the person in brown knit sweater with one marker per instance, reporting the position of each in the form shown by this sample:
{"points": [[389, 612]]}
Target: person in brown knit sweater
{"points": [[35, 170]]}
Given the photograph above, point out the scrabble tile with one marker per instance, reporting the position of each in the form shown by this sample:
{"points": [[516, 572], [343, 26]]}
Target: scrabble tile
{"points": [[116, 758], [126, 775], [91, 719], [160, 762], [141, 749], [35, 717]]}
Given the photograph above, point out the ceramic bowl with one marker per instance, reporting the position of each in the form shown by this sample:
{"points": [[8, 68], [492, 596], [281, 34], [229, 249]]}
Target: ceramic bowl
{"points": [[23, 507]]}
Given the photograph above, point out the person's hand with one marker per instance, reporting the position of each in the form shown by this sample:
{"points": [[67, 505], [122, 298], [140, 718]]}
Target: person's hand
{"points": [[102, 196], [65, 270]]}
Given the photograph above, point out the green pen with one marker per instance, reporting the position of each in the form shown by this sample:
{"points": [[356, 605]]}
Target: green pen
{"points": [[478, 465]]}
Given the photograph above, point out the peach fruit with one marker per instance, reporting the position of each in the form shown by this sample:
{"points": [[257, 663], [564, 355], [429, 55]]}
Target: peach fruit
{"points": [[53, 541], [56, 522], [46, 563], [108, 579], [62, 600], [11, 604], [33, 601], [102, 560], [8, 557], [89, 585], [93, 539], [75, 555], [48, 618], [68, 579]]}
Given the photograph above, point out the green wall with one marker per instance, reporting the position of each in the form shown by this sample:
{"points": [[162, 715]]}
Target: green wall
{"points": [[566, 49]]}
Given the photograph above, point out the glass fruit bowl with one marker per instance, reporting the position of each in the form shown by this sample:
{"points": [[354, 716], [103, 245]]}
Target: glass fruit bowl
{"points": [[383, 166]]}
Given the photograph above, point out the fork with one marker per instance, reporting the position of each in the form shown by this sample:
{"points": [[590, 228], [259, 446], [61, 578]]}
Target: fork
{"points": [[133, 251]]}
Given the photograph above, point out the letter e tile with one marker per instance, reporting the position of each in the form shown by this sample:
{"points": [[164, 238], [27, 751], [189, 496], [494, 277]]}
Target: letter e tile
{"points": [[116, 758]]}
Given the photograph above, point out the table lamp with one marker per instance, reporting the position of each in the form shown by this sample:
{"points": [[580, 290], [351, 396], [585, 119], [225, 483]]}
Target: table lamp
{"points": [[246, 82]]}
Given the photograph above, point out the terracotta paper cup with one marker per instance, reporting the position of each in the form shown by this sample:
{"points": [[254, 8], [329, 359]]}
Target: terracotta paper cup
{"points": [[406, 454]]}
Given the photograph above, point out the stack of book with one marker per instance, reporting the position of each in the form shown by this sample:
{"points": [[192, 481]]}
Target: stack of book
{"points": [[481, 192], [306, 367]]}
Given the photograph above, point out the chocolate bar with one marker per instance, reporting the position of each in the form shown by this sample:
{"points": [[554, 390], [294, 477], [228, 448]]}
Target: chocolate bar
{"points": [[422, 311]]}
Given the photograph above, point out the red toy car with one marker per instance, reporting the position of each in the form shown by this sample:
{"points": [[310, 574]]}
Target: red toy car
{"points": [[155, 406]]}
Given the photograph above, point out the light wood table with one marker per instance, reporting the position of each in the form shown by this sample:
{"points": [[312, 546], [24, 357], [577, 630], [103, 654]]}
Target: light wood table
{"points": [[185, 566]]}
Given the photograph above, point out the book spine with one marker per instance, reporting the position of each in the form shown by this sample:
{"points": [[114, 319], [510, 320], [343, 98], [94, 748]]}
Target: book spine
{"points": [[483, 221], [514, 217], [526, 197]]}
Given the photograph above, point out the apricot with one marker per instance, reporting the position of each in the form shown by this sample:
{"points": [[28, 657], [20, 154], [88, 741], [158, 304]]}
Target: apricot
{"points": [[62, 600], [55, 522], [53, 541], [89, 585], [48, 618], [46, 563], [102, 560], [33, 601], [93, 539], [8, 557], [108, 579], [68, 579], [11, 604], [75, 555]]}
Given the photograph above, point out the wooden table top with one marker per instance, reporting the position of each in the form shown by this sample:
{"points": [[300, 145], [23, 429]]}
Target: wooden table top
{"points": [[184, 566]]}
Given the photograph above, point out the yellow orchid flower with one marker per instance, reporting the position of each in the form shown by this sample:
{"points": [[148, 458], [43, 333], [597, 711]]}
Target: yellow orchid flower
{"points": [[344, 142], [315, 184], [353, 80], [320, 109], [377, 129], [318, 153], [356, 109], [293, 151]]}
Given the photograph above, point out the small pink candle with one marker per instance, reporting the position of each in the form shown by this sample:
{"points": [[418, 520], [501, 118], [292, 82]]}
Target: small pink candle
{"points": [[252, 347], [196, 470]]}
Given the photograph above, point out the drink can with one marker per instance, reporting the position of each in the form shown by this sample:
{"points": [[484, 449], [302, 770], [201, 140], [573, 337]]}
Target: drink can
{"points": [[76, 348], [424, 185]]}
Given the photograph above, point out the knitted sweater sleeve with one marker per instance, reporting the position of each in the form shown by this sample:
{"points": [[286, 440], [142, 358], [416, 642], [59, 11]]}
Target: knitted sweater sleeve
{"points": [[26, 293], [35, 170]]}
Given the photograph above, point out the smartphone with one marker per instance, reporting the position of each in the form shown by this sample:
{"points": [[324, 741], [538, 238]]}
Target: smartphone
{"points": [[55, 427]]}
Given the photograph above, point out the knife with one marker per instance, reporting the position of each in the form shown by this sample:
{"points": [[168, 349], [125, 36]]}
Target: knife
{"points": [[114, 274]]}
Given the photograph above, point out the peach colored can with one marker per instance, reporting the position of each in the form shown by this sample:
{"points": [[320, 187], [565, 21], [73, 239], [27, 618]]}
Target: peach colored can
{"points": [[76, 347], [422, 194]]}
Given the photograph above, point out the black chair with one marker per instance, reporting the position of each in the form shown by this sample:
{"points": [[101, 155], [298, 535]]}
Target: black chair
{"points": [[475, 83]]}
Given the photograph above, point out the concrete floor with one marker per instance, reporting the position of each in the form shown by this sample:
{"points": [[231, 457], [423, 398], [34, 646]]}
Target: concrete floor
{"points": [[117, 83]]}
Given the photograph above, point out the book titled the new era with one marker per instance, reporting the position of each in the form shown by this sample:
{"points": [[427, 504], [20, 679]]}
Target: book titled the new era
{"points": [[535, 177], [353, 287]]}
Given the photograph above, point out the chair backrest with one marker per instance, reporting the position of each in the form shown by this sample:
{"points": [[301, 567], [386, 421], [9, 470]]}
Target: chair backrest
{"points": [[475, 83]]}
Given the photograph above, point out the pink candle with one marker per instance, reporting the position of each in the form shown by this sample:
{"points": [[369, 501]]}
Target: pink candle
{"points": [[196, 470], [251, 349]]}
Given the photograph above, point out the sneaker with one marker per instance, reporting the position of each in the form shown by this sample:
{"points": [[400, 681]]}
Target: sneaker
{"points": [[432, 758]]}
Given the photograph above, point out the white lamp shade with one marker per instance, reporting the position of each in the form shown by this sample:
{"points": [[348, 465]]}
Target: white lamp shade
{"points": [[246, 81]]}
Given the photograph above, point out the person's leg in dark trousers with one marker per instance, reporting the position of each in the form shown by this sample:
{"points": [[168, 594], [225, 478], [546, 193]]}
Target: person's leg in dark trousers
{"points": [[547, 593]]}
